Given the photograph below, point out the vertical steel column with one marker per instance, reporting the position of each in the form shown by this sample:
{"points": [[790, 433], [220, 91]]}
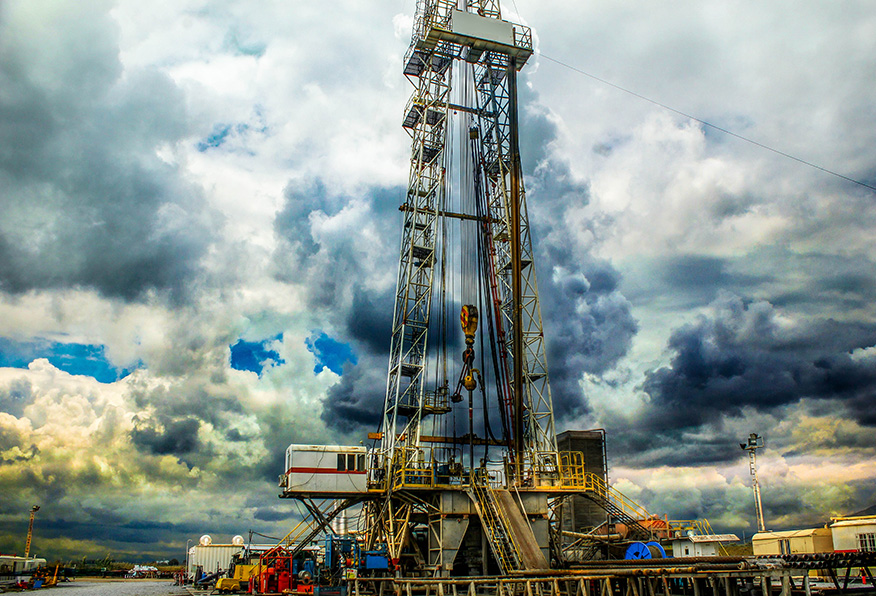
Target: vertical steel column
{"points": [[516, 263]]}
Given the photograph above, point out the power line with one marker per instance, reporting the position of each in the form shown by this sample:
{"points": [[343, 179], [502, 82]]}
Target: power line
{"points": [[705, 123]]}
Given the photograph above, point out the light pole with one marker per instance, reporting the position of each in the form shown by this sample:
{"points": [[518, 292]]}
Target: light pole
{"points": [[187, 561], [754, 443]]}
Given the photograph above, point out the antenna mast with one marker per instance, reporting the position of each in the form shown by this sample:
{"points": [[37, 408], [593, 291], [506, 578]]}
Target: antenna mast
{"points": [[754, 443]]}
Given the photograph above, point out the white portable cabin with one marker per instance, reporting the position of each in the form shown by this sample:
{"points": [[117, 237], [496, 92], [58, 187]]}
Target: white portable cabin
{"points": [[12, 564], [700, 545], [13, 568], [851, 534], [792, 542], [329, 470]]}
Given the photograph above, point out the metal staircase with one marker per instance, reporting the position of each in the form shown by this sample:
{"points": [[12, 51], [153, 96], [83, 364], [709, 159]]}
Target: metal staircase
{"points": [[495, 524], [619, 506]]}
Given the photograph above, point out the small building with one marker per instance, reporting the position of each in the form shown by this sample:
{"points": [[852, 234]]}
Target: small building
{"points": [[852, 534], [209, 558], [13, 564], [792, 542], [706, 545], [327, 470]]}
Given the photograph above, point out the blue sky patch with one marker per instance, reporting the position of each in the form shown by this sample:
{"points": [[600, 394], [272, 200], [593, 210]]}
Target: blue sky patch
{"points": [[76, 359], [216, 138], [330, 353], [255, 356]]}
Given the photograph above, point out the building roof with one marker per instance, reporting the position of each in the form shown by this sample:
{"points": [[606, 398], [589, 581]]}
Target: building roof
{"points": [[329, 448], [699, 538], [864, 520], [789, 534]]}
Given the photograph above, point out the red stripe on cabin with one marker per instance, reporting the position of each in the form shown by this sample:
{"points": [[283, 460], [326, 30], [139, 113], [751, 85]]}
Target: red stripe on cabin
{"points": [[322, 471]]}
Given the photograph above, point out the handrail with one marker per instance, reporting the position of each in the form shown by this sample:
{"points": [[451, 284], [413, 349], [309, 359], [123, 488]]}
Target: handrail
{"points": [[496, 521], [615, 497]]}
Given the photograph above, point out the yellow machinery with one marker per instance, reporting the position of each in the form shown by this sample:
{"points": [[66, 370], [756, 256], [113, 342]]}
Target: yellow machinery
{"points": [[239, 581]]}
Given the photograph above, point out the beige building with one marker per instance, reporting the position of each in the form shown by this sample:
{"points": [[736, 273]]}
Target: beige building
{"points": [[854, 533], [814, 540]]}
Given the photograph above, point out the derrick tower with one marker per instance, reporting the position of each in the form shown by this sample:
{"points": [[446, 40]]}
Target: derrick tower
{"points": [[466, 231], [456, 390]]}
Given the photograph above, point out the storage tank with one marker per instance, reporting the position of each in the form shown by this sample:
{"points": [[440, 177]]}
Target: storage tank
{"points": [[212, 557]]}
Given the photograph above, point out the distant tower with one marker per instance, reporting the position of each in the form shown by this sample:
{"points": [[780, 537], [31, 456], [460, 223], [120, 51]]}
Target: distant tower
{"points": [[33, 511], [755, 442]]}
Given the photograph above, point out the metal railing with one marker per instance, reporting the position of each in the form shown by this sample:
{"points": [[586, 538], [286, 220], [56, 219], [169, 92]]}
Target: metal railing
{"points": [[624, 504], [496, 523]]}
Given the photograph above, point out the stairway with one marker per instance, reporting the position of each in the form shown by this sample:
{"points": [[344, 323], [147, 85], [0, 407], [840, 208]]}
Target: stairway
{"points": [[498, 534], [511, 539], [619, 506]]}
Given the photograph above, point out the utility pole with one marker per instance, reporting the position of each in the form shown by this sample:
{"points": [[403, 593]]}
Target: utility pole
{"points": [[754, 443], [33, 511]]}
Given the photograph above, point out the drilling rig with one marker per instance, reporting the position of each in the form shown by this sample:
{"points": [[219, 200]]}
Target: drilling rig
{"points": [[464, 472], [456, 438]]}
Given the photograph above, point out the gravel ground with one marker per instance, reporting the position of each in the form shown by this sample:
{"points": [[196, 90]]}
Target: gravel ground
{"points": [[86, 587]]}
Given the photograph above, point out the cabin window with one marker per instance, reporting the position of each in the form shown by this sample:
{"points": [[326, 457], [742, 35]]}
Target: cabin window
{"points": [[360, 462], [867, 542], [342, 462]]}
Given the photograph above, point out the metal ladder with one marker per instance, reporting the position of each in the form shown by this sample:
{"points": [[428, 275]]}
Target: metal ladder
{"points": [[618, 505], [499, 535]]}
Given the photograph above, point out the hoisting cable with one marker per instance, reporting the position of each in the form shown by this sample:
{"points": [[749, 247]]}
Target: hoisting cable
{"points": [[706, 123], [481, 302], [485, 256]]}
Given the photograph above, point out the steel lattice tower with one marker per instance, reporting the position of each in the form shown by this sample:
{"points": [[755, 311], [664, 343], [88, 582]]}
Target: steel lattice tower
{"points": [[447, 38]]}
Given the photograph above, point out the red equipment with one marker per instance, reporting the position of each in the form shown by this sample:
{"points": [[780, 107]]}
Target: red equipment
{"points": [[276, 575]]}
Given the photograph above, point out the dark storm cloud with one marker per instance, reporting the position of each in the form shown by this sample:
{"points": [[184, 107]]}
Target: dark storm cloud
{"points": [[174, 437], [292, 222], [108, 527], [356, 402], [118, 537], [370, 319], [743, 357], [271, 514], [86, 201], [701, 277], [588, 322], [194, 398]]}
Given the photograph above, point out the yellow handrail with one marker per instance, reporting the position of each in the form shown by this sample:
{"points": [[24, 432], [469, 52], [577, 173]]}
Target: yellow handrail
{"points": [[480, 483], [616, 498]]}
